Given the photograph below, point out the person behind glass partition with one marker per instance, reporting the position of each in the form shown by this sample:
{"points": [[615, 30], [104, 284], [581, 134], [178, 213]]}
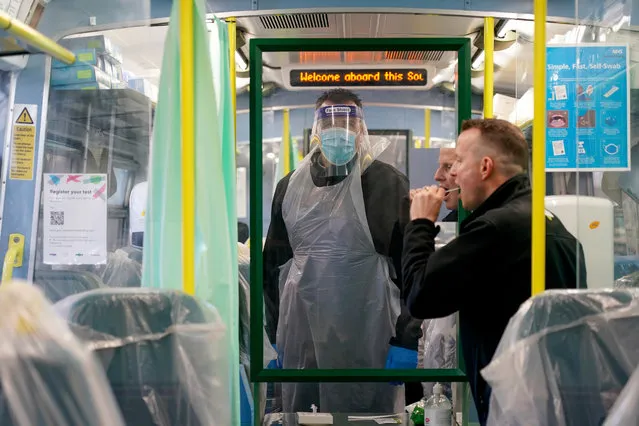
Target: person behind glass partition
{"points": [[332, 265]]}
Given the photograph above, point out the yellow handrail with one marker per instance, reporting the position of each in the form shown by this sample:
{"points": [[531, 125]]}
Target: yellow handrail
{"points": [[187, 111], [9, 263], [286, 139], [35, 38], [232, 26], [13, 256], [538, 266], [426, 128], [489, 65]]}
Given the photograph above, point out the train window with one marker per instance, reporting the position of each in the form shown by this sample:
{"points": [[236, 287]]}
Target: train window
{"points": [[7, 90], [99, 127]]}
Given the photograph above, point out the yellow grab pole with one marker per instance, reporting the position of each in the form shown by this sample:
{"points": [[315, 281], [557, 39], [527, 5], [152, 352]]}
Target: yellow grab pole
{"points": [[35, 38], [187, 111], [489, 65], [427, 128], [539, 152], [232, 47], [285, 145], [13, 257], [9, 263]]}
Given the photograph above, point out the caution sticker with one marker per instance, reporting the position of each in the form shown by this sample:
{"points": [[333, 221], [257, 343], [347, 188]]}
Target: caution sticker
{"points": [[24, 117], [23, 137]]}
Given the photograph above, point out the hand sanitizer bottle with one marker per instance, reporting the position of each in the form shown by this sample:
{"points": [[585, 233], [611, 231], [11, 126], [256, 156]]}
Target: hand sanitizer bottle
{"points": [[438, 411]]}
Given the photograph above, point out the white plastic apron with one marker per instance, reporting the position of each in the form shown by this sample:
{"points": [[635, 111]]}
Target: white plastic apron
{"points": [[338, 305]]}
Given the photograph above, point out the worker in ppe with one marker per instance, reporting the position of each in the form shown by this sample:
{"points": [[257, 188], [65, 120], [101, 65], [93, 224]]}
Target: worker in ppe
{"points": [[332, 259]]}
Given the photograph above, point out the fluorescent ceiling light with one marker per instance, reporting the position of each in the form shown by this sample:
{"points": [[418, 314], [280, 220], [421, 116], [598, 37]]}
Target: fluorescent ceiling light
{"points": [[503, 30], [575, 35], [521, 27], [478, 61], [240, 62], [446, 74], [624, 19], [241, 83], [438, 78]]}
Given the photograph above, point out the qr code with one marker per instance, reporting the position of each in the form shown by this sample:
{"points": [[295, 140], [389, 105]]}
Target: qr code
{"points": [[57, 218]]}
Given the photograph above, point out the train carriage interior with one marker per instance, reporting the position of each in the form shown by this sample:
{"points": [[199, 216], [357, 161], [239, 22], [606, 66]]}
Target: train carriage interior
{"points": [[159, 197]]}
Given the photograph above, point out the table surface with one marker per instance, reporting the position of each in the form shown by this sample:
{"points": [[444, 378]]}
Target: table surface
{"points": [[339, 419]]}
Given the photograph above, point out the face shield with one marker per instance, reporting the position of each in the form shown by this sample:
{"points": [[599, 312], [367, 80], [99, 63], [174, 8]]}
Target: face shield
{"points": [[339, 132]]}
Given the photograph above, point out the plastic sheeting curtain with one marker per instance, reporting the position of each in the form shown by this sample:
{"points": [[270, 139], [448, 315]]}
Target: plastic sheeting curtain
{"points": [[216, 278]]}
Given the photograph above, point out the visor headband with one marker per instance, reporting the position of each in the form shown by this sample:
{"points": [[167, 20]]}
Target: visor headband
{"points": [[338, 111]]}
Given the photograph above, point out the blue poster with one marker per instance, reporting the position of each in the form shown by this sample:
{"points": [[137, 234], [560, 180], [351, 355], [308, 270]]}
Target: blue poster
{"points": [[587, 108]]}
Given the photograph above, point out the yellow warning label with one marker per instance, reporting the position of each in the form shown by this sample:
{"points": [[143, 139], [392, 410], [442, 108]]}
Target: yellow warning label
{"points": [[25, 117], [22, 152]]}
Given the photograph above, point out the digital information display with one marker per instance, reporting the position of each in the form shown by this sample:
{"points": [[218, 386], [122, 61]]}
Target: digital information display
{"points": [[392, 77]]}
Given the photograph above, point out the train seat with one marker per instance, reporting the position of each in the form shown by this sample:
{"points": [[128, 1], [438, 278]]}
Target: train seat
{"points": [[47, 376], [160, 349], [564, 358], [123, 269], [59, 284]]}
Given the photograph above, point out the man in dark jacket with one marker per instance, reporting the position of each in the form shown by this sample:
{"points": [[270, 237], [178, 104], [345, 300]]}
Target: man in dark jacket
{"points": [[316, 332], [437, 348], [485, 273]]}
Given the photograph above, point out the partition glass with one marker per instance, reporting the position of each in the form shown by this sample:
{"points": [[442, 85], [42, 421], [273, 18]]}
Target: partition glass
{"points": [[591, 186], [331, 356]]}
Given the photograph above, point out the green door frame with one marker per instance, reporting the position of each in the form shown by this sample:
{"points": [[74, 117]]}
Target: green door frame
{"points": [[258, 46]]}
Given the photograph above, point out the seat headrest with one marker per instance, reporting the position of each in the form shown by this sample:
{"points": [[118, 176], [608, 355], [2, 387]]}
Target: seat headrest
{"points": [[124, 312], [122, 270], [564, 358], [48, 376], [162, 351], [59, 284], [562, 307]]}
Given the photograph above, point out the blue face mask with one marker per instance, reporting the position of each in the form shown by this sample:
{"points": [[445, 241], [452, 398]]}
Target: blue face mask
{"points": [[338, 145]]}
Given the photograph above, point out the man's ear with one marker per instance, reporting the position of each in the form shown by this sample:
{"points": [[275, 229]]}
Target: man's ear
{"points": [[487, 167]]}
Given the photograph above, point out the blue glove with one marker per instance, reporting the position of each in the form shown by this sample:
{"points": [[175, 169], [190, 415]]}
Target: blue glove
{"points": [[275, 364], [401, 358]]}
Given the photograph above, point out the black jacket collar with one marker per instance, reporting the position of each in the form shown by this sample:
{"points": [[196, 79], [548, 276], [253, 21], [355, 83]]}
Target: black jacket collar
{"points": [[320, 172], [451, 217], [514, 187]]}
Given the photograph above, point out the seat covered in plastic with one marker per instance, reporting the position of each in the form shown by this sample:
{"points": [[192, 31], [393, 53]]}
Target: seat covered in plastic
{"points": [[564, 358], [123, 269], [134, 253], [246, 396], [625, 412], [47, 376], [59, 284], [161, 353], [628, 281]]}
